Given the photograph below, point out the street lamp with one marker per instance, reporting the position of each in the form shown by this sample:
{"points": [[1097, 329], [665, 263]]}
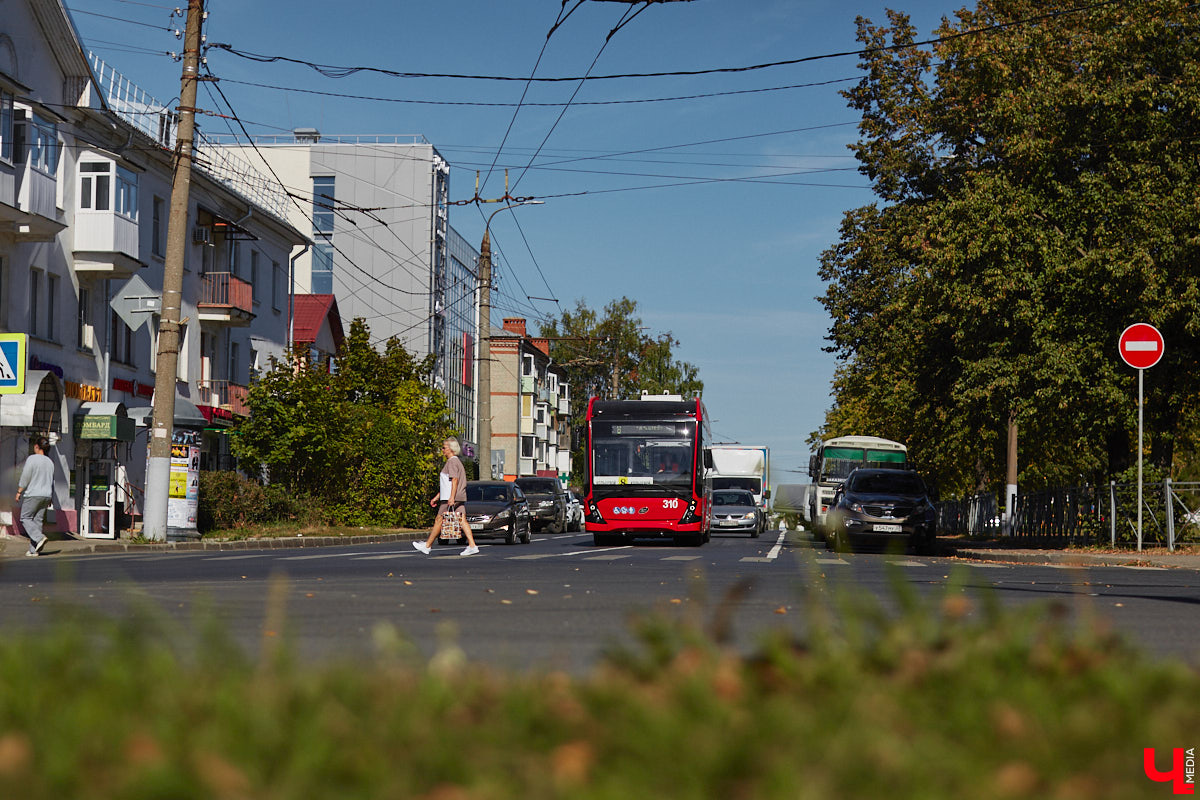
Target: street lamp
{"points": [[485, 333]]}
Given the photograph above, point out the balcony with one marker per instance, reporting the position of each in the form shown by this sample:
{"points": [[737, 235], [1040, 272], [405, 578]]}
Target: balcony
{"points": [[224, 395], [106, 245], [528, 384], [564, 405], [35, 216], [225, 300]]}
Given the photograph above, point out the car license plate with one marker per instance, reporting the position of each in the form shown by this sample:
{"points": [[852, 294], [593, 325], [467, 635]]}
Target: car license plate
{"points": [[887, 528], [729, 523]]}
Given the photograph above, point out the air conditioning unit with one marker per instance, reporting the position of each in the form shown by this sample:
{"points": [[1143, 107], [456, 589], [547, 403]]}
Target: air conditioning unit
{"points": [[201, 235]]}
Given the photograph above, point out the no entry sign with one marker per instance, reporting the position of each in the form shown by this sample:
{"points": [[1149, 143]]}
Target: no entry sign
{"points": [[1141, 345]]}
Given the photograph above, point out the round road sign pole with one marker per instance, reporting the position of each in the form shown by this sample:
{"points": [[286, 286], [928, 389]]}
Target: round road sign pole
{"points": [[1141, 372], [1141, 346]]}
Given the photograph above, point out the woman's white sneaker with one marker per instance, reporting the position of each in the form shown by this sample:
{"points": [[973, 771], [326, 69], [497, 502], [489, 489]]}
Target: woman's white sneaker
{"points": [[470, 551], [422, 547]]}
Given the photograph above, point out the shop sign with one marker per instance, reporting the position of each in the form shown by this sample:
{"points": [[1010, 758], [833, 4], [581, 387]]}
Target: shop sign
{"points": [[104, 426], [133, 387], [37, 363], [216, 414], [83, 391]]}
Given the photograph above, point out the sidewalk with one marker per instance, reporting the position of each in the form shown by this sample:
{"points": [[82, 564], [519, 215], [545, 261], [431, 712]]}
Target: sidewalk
{"points": [[1183, 558]]}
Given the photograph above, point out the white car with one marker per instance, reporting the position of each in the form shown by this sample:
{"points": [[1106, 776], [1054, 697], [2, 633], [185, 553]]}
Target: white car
{"points": [[575, 511]]}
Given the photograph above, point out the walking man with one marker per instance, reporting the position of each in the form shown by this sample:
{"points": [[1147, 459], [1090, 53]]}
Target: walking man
{"points": [[33, 493]]}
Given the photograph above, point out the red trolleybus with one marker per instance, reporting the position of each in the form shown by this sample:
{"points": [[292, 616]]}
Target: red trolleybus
{"points": [[647, 468]]}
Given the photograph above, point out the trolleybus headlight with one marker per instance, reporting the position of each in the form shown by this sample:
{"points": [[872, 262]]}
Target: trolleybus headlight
{"points": [[689, 516]]}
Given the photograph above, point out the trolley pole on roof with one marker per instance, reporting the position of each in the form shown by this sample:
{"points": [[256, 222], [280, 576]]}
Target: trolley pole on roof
{"points": [[158, 467]]}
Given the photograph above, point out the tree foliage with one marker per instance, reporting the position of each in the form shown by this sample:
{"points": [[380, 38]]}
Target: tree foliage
{"points": [[364, 439], [613, 357], [1035, 172]]}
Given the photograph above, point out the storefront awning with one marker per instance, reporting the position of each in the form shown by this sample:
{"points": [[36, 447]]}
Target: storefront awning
{"points": [[43, 405], [186, 414], [107, 421]]}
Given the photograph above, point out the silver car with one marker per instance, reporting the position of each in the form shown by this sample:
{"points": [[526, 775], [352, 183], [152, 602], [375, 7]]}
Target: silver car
{"points": [[735, 510]]}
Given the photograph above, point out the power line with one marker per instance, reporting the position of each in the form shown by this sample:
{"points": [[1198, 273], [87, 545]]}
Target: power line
{"points": [[332, 71]]}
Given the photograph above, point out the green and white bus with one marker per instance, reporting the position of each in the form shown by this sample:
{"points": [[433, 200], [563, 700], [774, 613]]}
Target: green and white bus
{"points": [[834, 460]]}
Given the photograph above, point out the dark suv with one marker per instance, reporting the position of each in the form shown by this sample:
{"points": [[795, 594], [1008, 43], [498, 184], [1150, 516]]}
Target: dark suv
{"points": [[548, 501], [883, 505]]}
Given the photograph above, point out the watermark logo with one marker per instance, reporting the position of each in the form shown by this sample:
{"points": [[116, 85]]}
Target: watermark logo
{"points": [[1182, 774]]}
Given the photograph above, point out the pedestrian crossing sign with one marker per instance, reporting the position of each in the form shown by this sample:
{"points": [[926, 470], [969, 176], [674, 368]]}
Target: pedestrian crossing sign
{"points": [[12, 362]]}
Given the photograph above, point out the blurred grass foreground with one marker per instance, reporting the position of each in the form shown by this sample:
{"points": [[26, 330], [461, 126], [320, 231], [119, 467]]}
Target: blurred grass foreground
{"points": [[951, 698]]}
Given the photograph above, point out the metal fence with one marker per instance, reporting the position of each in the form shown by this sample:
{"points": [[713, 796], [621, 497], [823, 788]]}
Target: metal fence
{"points": [[1083, 515]]}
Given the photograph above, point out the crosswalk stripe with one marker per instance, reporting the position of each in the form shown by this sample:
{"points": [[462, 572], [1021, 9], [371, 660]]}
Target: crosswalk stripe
{"points": [[831, 561], [682, 558], [608, 557]]}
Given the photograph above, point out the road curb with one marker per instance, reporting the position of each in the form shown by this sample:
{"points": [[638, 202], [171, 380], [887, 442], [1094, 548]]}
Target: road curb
{"points": [[1060, 558]]}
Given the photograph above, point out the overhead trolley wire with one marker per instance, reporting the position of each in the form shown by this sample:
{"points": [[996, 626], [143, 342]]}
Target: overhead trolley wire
{"points": [[332, 71]]}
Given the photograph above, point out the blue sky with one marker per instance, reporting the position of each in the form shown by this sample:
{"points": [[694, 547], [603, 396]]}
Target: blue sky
{"points": [[711, 211]]}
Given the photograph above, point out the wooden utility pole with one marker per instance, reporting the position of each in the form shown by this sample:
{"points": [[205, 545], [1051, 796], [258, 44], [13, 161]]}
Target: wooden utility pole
{"points": [[158, 468]]}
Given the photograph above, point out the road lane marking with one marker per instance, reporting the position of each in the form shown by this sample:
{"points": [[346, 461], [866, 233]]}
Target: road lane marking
{"points": [[682, 558], [238, 558], [831, 561], [778, 546], [909, 563], [537, 556], [320, 555], [608, 557], [389, 555]]}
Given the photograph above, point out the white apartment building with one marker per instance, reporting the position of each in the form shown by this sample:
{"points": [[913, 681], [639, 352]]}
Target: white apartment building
{"points": [[86, 169], [377, 210]]}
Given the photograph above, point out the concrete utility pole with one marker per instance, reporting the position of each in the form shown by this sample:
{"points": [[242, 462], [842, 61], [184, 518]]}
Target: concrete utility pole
{"points": [[485, 333], [158, 469]]}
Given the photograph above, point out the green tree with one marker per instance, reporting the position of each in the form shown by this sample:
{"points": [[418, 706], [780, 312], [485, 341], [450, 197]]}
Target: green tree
{"points": [[612, 357], [1036, 195], [363, 439]]}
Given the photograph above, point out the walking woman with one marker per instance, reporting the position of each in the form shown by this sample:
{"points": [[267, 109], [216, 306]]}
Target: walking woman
{"points": [[451, 499]]}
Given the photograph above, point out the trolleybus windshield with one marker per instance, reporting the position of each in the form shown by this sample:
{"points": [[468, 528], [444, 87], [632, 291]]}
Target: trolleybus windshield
{"points": [[643, 452]]}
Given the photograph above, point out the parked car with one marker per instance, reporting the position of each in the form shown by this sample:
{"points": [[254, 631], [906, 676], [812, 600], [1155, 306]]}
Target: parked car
{"points": [[882, 505], [575, 512], [495, 509], [737, 510], [548, 501]]}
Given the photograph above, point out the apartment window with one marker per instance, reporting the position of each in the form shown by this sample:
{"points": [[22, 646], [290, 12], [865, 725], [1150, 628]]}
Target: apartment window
{"points": [[127, 200], [253, 362], [541, 414], [122, 340], [83, 328], [527, 368], [275, 283], [526, 405], [158, 239], [323, 205], [95, 185], [52, 307], [6, 126], [40, 145], [255, 292], [234, 362], [35, 298], [527, 448], [322, 269], [233, 256]]}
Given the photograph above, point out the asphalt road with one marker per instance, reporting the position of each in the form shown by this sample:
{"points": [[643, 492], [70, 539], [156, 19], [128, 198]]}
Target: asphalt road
{"points": [[560, 602]]}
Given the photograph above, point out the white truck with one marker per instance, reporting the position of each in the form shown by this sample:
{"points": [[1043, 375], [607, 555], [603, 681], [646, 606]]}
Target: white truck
{"points": [[738, 466]]}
